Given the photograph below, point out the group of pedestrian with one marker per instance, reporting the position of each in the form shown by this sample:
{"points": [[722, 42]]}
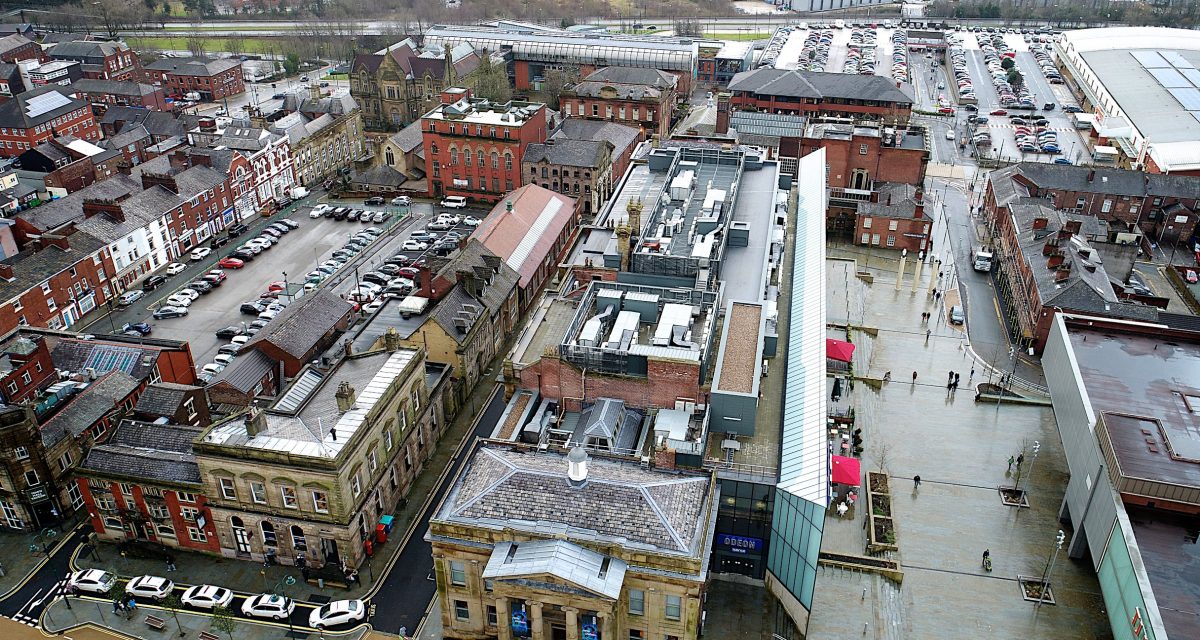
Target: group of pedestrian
{"points": [[925, 316], [124, 607], [952, 381], [1019, 459]]}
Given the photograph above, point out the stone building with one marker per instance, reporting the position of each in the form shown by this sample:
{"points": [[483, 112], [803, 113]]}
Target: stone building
{"points": [[549, 544], [580, 169], [325, 133], [311, 475], [395, 86], [633, 96]]}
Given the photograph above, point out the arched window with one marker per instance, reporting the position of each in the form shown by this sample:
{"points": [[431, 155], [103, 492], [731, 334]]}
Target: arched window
{"points": [[453, 155], [268, 533], [482, 157], [390, 157], [433, 148], [507, 161], [495, 160], [467, 156], [298, 541]]}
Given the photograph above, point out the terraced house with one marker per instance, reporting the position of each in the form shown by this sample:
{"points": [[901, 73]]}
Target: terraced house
{"points": [[311, 475]]}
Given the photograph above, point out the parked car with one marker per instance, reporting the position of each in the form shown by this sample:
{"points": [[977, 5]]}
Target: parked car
{"points": [[414, 245], [229, 332], [317, 211], [93, 581], [454, 202], [337, 612], [956, 315], [253, 308], [245, 255], [238, 229], [471, 221], [268, 605], [231, 263], [273, 232], [206, 596], [151, 587], [379, 217], [137, 327], [170, 312], [374, 201], [200, 253], [998, 112], [200, 286], [288, 222], [376, 277], [219, 241], [151, 283], [212, 369], [175, 268], [1190, 276], [402, 201], [230, 348], [216, 274]]}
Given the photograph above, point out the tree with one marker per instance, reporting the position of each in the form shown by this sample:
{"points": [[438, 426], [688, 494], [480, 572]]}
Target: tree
{"points": [[1007, 64], [492, 80], [223, 621], [555, 80], [197, 46], [173, 604], [687, 27], [118, 15], [291, 64], [1015, 79]]}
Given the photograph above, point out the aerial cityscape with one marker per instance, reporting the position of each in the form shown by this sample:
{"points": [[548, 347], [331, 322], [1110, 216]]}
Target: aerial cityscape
{"points": [[602, 320]]}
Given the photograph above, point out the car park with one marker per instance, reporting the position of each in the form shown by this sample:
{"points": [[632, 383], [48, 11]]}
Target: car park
{"points": [[151, 283], [175, 268], [200, 253], [150, 587], [170, 312], [93, 581], [206, 596], [268, 605], [336, 613]]}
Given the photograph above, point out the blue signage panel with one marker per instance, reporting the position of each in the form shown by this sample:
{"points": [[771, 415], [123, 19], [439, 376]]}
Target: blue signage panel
{"points": [[739, 544], [520, 623], [590, 632]]}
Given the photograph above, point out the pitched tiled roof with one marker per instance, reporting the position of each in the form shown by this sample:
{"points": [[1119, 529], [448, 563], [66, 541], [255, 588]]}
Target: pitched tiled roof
{"points": [[409, 137], [56, 213], [812, 84], [202, 67], [620, 136], [246, 371], [301, 326], [1121, 182], [87, 408], [569, 153], [155, 452], [525, 235], [633, 75], [14, 41], [31, 268], [163, 398], [380, 175], [15, 112], [620, 502], [113, 87], [83, 49]]}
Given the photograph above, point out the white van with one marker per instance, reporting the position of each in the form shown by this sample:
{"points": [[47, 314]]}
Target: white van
{"points": [[454, 202]]}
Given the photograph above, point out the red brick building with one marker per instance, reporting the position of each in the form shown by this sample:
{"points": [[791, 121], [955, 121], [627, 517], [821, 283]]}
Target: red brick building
{"points": [[16, 47], [828, 94], [894, 218], [632, 96], [212, 78], [144, 484], [101, 60], [473, 148], [304, 330], [40, 114], [126, 94], [54, 282]]}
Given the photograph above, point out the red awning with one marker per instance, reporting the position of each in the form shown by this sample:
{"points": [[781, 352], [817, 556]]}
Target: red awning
{"points": [[838, 350], [845, 470]]}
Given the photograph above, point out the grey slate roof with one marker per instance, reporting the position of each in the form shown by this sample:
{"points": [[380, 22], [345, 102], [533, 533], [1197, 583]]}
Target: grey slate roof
{"points": [[571, 563], [409, 137], [202, 67], [1121, 182], [56, 213], [160, 124], [452, 308], [88, 407], [113, 87], [163, 398], [31, 268], [14, 41], [155, 452], [86, 49], [14, 111], [128, 136], [620, 136], [380, 175], [569, 153], [633, 75], [896, 200], [246, 371], [300, 327], [811, 84], [620, 503], [476, 257]]}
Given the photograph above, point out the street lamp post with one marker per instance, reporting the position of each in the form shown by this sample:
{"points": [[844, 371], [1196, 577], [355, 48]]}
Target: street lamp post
{"points": [[1037, 446], [1058, 543]]}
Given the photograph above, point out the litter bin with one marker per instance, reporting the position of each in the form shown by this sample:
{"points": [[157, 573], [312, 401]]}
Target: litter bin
{"points": [[380, 534], [386, 521]]}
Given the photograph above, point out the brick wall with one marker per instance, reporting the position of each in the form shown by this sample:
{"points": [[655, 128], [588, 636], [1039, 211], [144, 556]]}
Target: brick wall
{"points": [[665, 382]]}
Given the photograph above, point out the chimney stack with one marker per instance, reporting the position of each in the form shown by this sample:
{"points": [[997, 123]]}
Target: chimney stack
{"points": [[256, 422], [6, 271], [344, 397], [391, 339], [634, 211], [1040, 222], [1091, 175], [623, 246], [314, 92], [723, 112]]}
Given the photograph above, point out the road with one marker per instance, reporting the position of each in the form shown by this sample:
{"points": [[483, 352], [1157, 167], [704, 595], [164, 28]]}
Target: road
{"points": [[27, 603]]}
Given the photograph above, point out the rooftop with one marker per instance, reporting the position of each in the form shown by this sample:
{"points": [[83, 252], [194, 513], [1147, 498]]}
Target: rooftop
{"points": [[144, 450], [812, 84], [32, 268], [739, 368], [37, 106], [485, 112], [621, 502], [525, 226], [203, 67], [593, 571], [595, 49], [301, 326], [307, 421], [89, 407]]}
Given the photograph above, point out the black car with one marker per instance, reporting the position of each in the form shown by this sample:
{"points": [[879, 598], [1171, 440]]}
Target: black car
{"points": [[280, 227], [243, 255], [220, 241], [170, 312], [259, 324], [376, 277], [353, 215], [374, 200], [152, 282], [231, 349], [140, 328], [340, 213], [203, 286], [970, 107], [400, 260], [253, 308], [289, 223], [229, 332], [237, 230]]}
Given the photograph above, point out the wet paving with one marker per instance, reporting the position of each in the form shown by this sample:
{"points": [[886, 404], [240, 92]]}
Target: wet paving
{"points": [[960, 449]]}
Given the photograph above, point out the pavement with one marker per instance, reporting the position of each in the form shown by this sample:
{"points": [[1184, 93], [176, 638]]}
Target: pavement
{"points": [[24, 552], [960, 449]]}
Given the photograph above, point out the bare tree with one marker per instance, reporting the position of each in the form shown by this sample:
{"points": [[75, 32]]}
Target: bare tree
{"points": [[197, 46], [491, 80], [555, 80], [689, 27]]}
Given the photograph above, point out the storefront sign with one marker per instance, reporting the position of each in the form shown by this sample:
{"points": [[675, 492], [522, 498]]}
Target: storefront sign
{"points": [[739, 544], [590, 632], [520, 623]]}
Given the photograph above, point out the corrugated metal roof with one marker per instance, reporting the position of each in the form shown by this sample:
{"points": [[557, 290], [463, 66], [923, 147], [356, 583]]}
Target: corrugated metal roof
{"points": [[300, 390], [585, 568]]}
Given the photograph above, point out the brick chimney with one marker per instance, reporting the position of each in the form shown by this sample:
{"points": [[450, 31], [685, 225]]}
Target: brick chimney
{"points": [[314, 92], [200, 160], [1040, 222], [151, 179], [49, 240], [179, 160], [110, 208], [723, 112], [6, 271], [344, 396], [1073, 226], [1055, 260], [919, 199], [1091, 175], [1062, 273], [255, 421]]}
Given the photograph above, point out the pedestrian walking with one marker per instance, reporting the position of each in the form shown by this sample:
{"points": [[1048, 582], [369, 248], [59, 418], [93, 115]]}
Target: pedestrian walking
{"points": [[887, 376], [928, 332], [132, 606], [116, 604], [937, 295], [949, 377], [1011, 460], [972, 374], [916, 482], [954, 385], [1020, 459], [170, 562], [956, 379], [914, 377]]}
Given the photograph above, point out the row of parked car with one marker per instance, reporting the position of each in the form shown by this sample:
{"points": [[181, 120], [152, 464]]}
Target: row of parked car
{"points": [[208, 597], [957, 56], [900, 55], [349, 214]]}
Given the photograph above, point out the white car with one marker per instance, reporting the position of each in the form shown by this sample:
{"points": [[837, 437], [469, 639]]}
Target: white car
{"points": [[191, 294], [200, 253], [212, 369], [318, 211], [268, 605], [177, 300], [337, 612], [472, 221], [93, 581], [175, 267], [206, 596], [400, 201], [130, 297], [152, 587], [373, 306], [223, 359], [268, 315], [450, 217], [414, 245], [454, 202]]}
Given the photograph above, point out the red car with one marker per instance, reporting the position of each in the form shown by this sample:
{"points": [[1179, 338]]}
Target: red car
{"points": [[408, 272], [216, 274], [946, 110], [276, 286], [999, 112], [230, 263]]}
